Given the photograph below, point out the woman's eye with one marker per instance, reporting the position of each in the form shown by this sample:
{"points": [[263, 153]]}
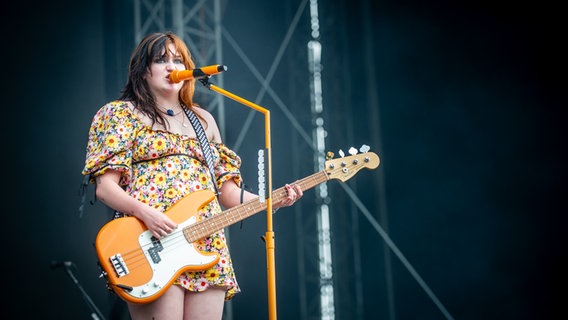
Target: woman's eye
{"points": [[159, 60], [178, 61]]}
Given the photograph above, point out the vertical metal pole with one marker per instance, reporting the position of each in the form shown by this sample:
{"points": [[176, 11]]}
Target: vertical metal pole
{"points": [[177, 18], [217, 27], [327, 304]]}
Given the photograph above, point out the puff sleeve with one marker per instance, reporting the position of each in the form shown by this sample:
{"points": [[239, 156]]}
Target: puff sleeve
{"points": [[228, 165], [110, 141]]}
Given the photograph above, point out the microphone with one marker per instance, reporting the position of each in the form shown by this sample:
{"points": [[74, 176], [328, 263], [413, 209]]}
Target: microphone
{"points": [[181, 75], [59, 264]]}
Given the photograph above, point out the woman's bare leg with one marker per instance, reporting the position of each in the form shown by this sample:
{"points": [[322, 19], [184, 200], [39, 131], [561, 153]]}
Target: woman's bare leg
{"points": [[168, 306], [206, 305]]}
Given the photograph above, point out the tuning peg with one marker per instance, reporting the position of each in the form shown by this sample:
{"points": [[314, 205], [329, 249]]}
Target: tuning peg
{"points": [[329, 155], [352, 151], [341, 153], [364, 148]]}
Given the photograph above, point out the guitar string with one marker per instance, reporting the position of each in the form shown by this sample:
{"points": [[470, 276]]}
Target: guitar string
{"points": [[176, 238]]}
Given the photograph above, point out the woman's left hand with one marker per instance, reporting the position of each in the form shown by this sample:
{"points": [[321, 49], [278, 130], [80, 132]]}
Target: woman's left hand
{"points": [[294, 193]]}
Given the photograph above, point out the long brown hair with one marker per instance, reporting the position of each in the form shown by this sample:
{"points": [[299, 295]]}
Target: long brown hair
{"points": [[136, 89]]}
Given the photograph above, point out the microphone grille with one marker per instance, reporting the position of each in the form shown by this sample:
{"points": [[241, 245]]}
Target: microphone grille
{"points": [[174, 76]]}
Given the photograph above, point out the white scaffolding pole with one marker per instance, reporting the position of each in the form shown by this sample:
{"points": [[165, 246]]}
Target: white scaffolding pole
{"points": [[326, 298]]}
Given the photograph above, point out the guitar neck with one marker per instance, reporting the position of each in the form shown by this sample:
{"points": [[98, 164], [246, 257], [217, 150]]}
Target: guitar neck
{"points": [[235, 214]]}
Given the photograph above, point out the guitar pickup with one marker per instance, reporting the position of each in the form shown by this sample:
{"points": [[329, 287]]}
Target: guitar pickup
{"points": [[154, 251], [119, 265]]}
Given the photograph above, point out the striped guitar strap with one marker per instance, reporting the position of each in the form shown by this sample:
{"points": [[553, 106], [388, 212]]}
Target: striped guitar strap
{"points": [[203, 142]]}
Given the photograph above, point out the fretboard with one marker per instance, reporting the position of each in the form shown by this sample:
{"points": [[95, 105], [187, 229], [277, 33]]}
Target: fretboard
{"points": [[235, 214]]}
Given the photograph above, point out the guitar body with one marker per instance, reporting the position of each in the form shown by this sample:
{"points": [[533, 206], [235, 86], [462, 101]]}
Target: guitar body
{"points": [[139, 267]]}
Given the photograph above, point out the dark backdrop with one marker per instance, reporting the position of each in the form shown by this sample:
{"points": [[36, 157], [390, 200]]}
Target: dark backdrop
{"points": [[462, 102]]}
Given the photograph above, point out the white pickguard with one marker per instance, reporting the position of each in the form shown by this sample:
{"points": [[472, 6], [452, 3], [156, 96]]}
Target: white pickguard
{"points": [[176, 254]]}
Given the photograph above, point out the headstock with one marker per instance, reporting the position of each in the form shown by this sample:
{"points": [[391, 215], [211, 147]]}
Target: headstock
{"points": [[346, 167]]}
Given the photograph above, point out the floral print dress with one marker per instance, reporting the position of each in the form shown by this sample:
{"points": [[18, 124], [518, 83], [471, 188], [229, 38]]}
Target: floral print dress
{"points": [[159, 168]]}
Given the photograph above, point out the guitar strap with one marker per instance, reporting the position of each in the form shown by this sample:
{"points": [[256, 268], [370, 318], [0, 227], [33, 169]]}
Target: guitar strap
{"points": [[203, 142]]}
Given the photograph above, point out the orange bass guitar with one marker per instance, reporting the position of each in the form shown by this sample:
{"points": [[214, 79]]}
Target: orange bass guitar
{"points": [[139, 267]]}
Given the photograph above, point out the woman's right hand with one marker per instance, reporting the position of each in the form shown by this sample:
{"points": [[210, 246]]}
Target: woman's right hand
{"points": [[159, 224], [110, 193]]}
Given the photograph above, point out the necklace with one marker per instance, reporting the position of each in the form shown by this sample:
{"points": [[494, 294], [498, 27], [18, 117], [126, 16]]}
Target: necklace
{"points": [[169, 112], [182, 120], [172, 114]]}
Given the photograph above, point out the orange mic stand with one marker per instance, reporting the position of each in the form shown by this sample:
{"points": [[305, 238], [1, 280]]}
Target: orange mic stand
{"points": [[269, 237]]}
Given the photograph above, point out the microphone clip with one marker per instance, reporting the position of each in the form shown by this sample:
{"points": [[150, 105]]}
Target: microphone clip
{"points": [[205, 82]]}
